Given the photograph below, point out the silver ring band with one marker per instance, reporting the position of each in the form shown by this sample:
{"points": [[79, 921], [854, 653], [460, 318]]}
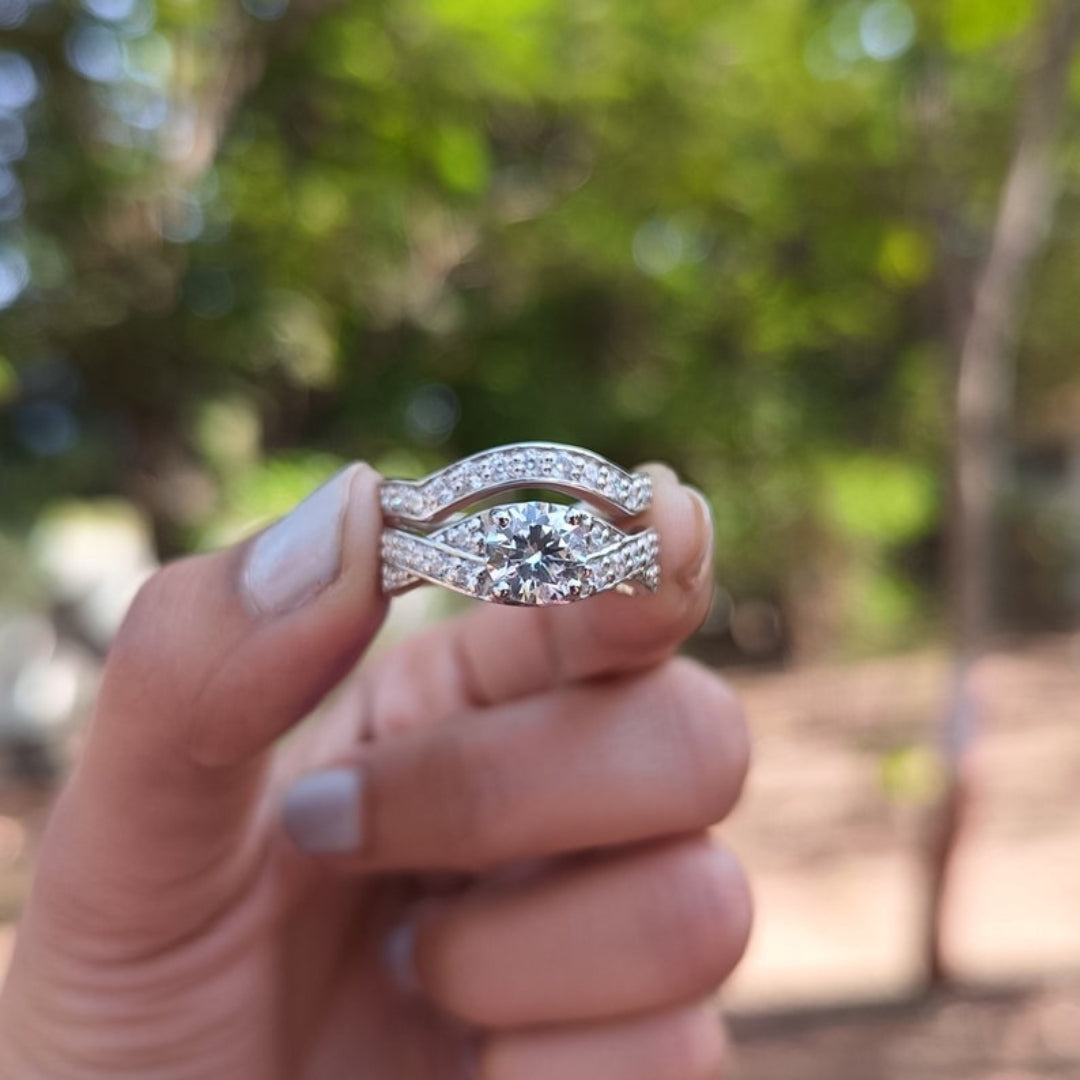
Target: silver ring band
{"points": [[523, 553], [568, 469]]}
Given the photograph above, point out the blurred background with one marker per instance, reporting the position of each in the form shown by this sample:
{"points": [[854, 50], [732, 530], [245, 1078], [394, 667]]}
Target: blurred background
{"points": [[819, 254]]}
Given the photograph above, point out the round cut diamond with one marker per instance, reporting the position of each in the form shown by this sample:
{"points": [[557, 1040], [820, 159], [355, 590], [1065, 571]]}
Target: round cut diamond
{"points": [[534, 555]]}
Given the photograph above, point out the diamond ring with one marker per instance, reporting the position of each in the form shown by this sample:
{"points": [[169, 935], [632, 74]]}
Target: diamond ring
{"points": [[522, 553]]}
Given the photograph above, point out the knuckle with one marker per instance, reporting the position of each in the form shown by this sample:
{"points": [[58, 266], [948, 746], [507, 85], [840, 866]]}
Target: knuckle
{"points": [[467, 782], [161, 672], [706, 722], [701, 916]]}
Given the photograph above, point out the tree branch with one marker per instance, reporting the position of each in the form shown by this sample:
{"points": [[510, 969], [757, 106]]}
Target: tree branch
{"points": [[984, 394], [986, 370]]}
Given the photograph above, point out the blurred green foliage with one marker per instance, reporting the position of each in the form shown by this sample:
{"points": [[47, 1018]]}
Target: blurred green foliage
{"points": [[249, 242]]}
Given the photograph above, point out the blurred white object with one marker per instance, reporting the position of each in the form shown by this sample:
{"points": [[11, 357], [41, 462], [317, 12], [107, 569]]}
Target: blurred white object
{"points": [[44, 682], [46, 691], [93, 556]]}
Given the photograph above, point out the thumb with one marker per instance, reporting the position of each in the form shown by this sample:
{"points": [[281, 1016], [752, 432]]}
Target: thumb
{"points": [[218, 655]]}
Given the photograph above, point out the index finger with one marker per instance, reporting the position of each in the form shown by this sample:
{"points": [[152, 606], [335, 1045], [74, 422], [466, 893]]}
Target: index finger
{"points": [[497, 653]]}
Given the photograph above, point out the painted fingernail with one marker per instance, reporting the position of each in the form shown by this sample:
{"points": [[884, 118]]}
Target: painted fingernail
{"points": [[300, 555], [692, 574], [399, 957], [322, 811]]}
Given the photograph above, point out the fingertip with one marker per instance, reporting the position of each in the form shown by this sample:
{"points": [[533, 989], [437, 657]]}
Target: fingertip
{"points": [[364, 483], [660, 472], [740, 899], [714, 724], [363, 528], [683, 522], [699, 560], [300, 554], [682, 514]]}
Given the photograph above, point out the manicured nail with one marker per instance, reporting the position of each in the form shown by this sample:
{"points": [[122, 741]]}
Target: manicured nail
{"points": [[300, 555], [691, 576], [322, 811], [399, 956]]}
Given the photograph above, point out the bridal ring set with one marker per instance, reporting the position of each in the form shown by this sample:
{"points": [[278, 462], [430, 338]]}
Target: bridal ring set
{"points": [[534, 553]]}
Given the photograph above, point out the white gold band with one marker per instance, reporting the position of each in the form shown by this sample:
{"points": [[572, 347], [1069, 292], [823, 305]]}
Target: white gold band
{"points": [[568, 469], [523, 553]]}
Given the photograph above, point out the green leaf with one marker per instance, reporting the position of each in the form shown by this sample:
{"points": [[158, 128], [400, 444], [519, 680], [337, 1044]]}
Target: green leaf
{"points": [[885, 500], [971, 25], [9, 380], [906, 256], [462, 159]]}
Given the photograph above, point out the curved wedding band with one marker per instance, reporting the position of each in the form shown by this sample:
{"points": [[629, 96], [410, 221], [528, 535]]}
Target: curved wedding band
{"points": [[523, 553]]}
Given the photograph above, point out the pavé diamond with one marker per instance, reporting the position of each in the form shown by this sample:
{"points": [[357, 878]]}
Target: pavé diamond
{"points": [[534, 555], [522, 553], [436, 496], [540, 553]]}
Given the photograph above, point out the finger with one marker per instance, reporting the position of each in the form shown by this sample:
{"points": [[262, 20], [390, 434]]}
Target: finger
{"points": [[581, 766], [496, 653], [635, 932], [684, 1043], [218, 655]]}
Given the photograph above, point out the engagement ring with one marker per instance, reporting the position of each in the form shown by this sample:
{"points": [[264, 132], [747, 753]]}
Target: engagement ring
{"points": [[524, 553]]}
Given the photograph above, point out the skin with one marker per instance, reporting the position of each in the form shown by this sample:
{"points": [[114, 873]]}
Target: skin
{"points": [[538, 789]]}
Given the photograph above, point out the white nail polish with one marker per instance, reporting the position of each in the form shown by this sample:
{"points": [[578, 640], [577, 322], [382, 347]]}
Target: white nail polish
{"points": [[399, 956], [323, 811], [301, 554]]}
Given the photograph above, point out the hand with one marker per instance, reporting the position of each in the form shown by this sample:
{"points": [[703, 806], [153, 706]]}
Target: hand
{"points": [[486, 858]]}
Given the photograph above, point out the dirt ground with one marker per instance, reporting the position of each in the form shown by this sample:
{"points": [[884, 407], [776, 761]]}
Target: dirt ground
{"points": [[832, 828], [1029, 1033]]}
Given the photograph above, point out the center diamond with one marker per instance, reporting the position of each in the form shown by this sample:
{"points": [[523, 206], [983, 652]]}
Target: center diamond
{"points": [[534, 554]]}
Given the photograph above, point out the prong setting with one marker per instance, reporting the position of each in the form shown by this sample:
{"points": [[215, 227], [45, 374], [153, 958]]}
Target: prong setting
{"points": [[520, 553], [528, 554]]}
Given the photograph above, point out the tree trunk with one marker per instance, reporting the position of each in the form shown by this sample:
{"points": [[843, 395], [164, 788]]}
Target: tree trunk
{"points": [[986, 369], [985, 386]]}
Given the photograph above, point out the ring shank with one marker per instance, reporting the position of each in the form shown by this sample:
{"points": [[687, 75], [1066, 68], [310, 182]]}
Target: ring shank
{"points": [[555, 466], [523, 553], [409, 560]]}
